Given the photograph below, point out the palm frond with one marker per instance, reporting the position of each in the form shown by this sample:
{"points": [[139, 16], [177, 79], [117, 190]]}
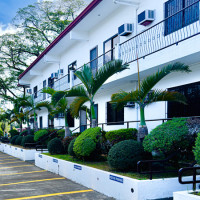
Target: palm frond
{"points": [[106, 72], [86, 77], [57, 96], [150, 81], [78, 91], [44, 104], [48, 90], [76, 105], [159, 95]]}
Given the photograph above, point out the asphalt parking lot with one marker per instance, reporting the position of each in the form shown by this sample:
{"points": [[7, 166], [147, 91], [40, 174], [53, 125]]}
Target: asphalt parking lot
{"points": [[23, 180]]}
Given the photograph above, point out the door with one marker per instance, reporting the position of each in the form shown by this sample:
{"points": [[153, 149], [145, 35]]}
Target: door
{"points": [[41, 125], [94, 59], [83, 121]]}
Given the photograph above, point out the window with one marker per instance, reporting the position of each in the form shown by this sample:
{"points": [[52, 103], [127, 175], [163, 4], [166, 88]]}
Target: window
{"points": [[192, 94], [70, 120], [107, 46], [187, 16], [41, 125], [35, 92], [44, 86], [114, 115], [94, 59], [72, 66], [50, 82]]}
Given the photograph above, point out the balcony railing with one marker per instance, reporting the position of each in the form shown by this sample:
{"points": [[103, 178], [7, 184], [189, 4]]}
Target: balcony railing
{"points": [[174, 29]]}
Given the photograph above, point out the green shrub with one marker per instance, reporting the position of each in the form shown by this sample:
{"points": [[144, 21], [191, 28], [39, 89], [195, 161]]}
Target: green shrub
{"points": [[25, 132], [55, 146], [18, 140], [61, 133], [27, 139], [71, 148], [66, 141], [85, 144], [40, 134], [125, 155], [197, 149], [116, 136], [13, 139], [13, 133], [168, 137], [1, 133]]}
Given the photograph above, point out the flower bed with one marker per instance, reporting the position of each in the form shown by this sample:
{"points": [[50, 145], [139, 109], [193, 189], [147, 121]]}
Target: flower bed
{"points": [[21, 153], [185, 195], [111, 184]]}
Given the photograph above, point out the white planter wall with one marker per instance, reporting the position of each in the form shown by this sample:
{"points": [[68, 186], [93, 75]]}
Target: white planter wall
{"points": [[185, 195], [113, 185], [23, 154]]}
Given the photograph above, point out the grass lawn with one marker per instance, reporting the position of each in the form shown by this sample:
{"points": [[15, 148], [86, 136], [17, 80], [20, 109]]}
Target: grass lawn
{"points": [[103, 165]]}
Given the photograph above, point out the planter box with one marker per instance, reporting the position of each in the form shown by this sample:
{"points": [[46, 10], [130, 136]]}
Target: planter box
{"points": [[185, 195], [110, 184], [23, 154]]}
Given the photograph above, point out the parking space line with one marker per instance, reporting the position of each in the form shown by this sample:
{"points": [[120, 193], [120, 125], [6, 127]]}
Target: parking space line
{"points": [[34, 181], [51, 195], [6, 157], [23, 173], [11, 162], [16, 166], [9, 159]]}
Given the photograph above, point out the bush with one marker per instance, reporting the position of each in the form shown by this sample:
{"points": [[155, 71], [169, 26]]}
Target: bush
{"points": [[40, 134], [85, 144], [66, 141], [71, 148], [27, 139], [61, 133], [1, 133], [13, 133], [25, 132], [197, 149], [13, 139], [18, 140], [121, 135], [4, 139], [55, 146], [168, 137], [125, 155]]}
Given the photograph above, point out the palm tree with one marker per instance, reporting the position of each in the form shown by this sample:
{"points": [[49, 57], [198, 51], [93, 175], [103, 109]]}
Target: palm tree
{"points": [[60, 106], [145, 95], [91, 84]]}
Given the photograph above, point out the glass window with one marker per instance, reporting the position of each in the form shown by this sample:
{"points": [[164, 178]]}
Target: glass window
{"points": [[35, 92]]}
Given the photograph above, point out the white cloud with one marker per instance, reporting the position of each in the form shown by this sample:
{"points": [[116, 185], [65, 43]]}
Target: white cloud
{"points": [[7, 29]]}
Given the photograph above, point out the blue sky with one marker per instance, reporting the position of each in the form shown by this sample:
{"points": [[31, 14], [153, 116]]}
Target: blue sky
{"points": [[8, 9]]}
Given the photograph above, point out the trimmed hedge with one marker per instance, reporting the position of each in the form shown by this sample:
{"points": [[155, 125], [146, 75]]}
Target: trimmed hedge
{"points": [[85, 144], [116, 136], [27, 139], [61, 133], [18, 140], [125, 155], [168, 137], [39, 134], [55, 146], [13, 133], [71, 148], [197, 149], [25, 132], [13, 139], [66, 141]]}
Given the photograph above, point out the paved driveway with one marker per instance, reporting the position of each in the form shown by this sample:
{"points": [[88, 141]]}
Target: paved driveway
{"points": [[22, 180]]}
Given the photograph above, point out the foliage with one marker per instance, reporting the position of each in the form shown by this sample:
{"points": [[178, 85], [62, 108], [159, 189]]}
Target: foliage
{"points": [[55, 146], [40, 134], [13, 132], [66, 141], [196, 150], [168, 137], [27, 139], [25, 132], [4, 140], [1, 133], [3, 126], [13, 139], [71, 148], [85, 144], [125, 155], [116, 136], [18, 140]]}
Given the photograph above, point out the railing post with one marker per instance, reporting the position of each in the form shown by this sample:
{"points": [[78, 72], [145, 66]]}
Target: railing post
{"points": [[71, 77], [102, 127], [127, 124]]}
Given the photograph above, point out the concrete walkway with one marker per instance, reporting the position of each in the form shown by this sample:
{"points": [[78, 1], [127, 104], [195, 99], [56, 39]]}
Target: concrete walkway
{"points": [[22, 180]]}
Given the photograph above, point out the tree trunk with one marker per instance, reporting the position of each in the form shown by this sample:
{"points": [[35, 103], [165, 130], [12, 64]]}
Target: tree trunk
{"points": [[20, 127], [93, 116], [35, 126], [143, 130], [67, 131], [94, 123]]}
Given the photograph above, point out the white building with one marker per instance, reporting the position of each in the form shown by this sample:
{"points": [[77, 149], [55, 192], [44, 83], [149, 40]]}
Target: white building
{"points": [[159, 33]]}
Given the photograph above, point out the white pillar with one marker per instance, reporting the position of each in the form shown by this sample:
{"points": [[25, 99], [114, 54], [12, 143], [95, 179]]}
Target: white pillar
{"points": [[117, 51]]}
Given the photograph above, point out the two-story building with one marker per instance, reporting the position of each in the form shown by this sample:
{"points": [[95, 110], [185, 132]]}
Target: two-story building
{"points": [[155, 32]]}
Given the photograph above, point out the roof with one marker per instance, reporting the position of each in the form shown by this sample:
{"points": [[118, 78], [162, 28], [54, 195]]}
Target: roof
{"points": [[83, 14]]}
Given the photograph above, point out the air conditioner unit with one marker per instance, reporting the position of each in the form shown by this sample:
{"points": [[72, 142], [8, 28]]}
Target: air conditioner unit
{"points": [[54, 75], [29, 91], [146, 17], [130, 104], [125, 29], [60, 71]]}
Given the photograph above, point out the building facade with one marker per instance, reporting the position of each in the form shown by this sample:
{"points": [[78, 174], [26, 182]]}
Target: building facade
{"points": [[156, 33]]}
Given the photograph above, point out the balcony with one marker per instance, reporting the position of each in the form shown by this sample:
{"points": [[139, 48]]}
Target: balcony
{"points": [[176, 28]]}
